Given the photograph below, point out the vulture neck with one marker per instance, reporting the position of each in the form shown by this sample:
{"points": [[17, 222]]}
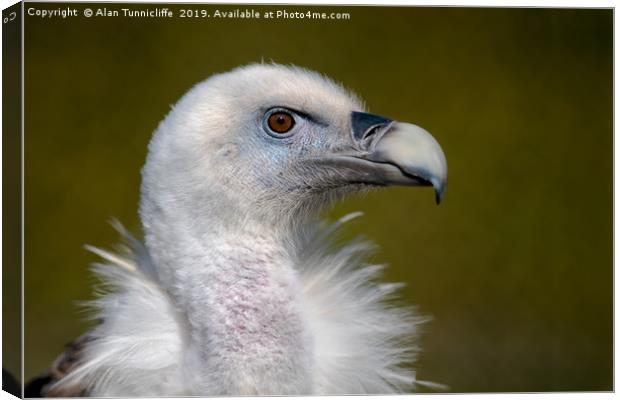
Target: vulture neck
{"points": [[240, 299]]}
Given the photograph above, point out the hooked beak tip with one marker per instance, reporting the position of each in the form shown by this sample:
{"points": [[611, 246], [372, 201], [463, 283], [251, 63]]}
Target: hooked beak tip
{"points": [[439, 195], [439, 185]]}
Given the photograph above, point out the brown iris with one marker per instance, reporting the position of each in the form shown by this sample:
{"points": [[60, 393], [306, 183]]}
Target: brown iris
{"points": [[280, 122]]}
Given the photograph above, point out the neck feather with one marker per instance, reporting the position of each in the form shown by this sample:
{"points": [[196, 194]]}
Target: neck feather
{"points": [[242, 297]]}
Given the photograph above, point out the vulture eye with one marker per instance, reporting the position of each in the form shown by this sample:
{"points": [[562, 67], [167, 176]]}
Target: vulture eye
{"points": [[280, 123]]}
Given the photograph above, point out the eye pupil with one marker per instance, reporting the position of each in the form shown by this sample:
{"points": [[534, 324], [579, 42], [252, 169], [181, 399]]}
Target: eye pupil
{"points": [[281, 122]]}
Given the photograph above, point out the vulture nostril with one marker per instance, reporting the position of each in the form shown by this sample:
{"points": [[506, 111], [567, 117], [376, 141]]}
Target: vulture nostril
{"points": [[365, 126], [373, 134]]}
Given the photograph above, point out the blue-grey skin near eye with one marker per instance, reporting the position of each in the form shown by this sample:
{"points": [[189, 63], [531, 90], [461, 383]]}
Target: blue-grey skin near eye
{"points": [[309, 133]]}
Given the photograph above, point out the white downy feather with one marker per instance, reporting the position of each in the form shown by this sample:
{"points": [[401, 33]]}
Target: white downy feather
{"points": [[362, 344]]}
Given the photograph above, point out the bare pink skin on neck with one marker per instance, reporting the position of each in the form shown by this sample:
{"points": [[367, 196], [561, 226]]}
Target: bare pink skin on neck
{"points": [[248, 334]]}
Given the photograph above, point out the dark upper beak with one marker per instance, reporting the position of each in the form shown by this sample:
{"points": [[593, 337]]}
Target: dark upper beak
{"points": [[397, 153]]}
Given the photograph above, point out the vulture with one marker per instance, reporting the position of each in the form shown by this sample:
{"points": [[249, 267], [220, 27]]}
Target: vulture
{"points": [[238, 287]]}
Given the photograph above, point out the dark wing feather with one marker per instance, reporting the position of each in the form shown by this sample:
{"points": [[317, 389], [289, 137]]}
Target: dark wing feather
{"points": [[41, 386]]}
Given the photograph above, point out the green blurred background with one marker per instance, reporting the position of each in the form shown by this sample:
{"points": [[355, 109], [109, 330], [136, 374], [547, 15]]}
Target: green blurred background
{"points": [[516, 264]]}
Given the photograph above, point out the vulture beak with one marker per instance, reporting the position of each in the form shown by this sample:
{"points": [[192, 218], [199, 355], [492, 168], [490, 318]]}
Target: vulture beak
{"points": [[404, 154], [393, 153]]}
